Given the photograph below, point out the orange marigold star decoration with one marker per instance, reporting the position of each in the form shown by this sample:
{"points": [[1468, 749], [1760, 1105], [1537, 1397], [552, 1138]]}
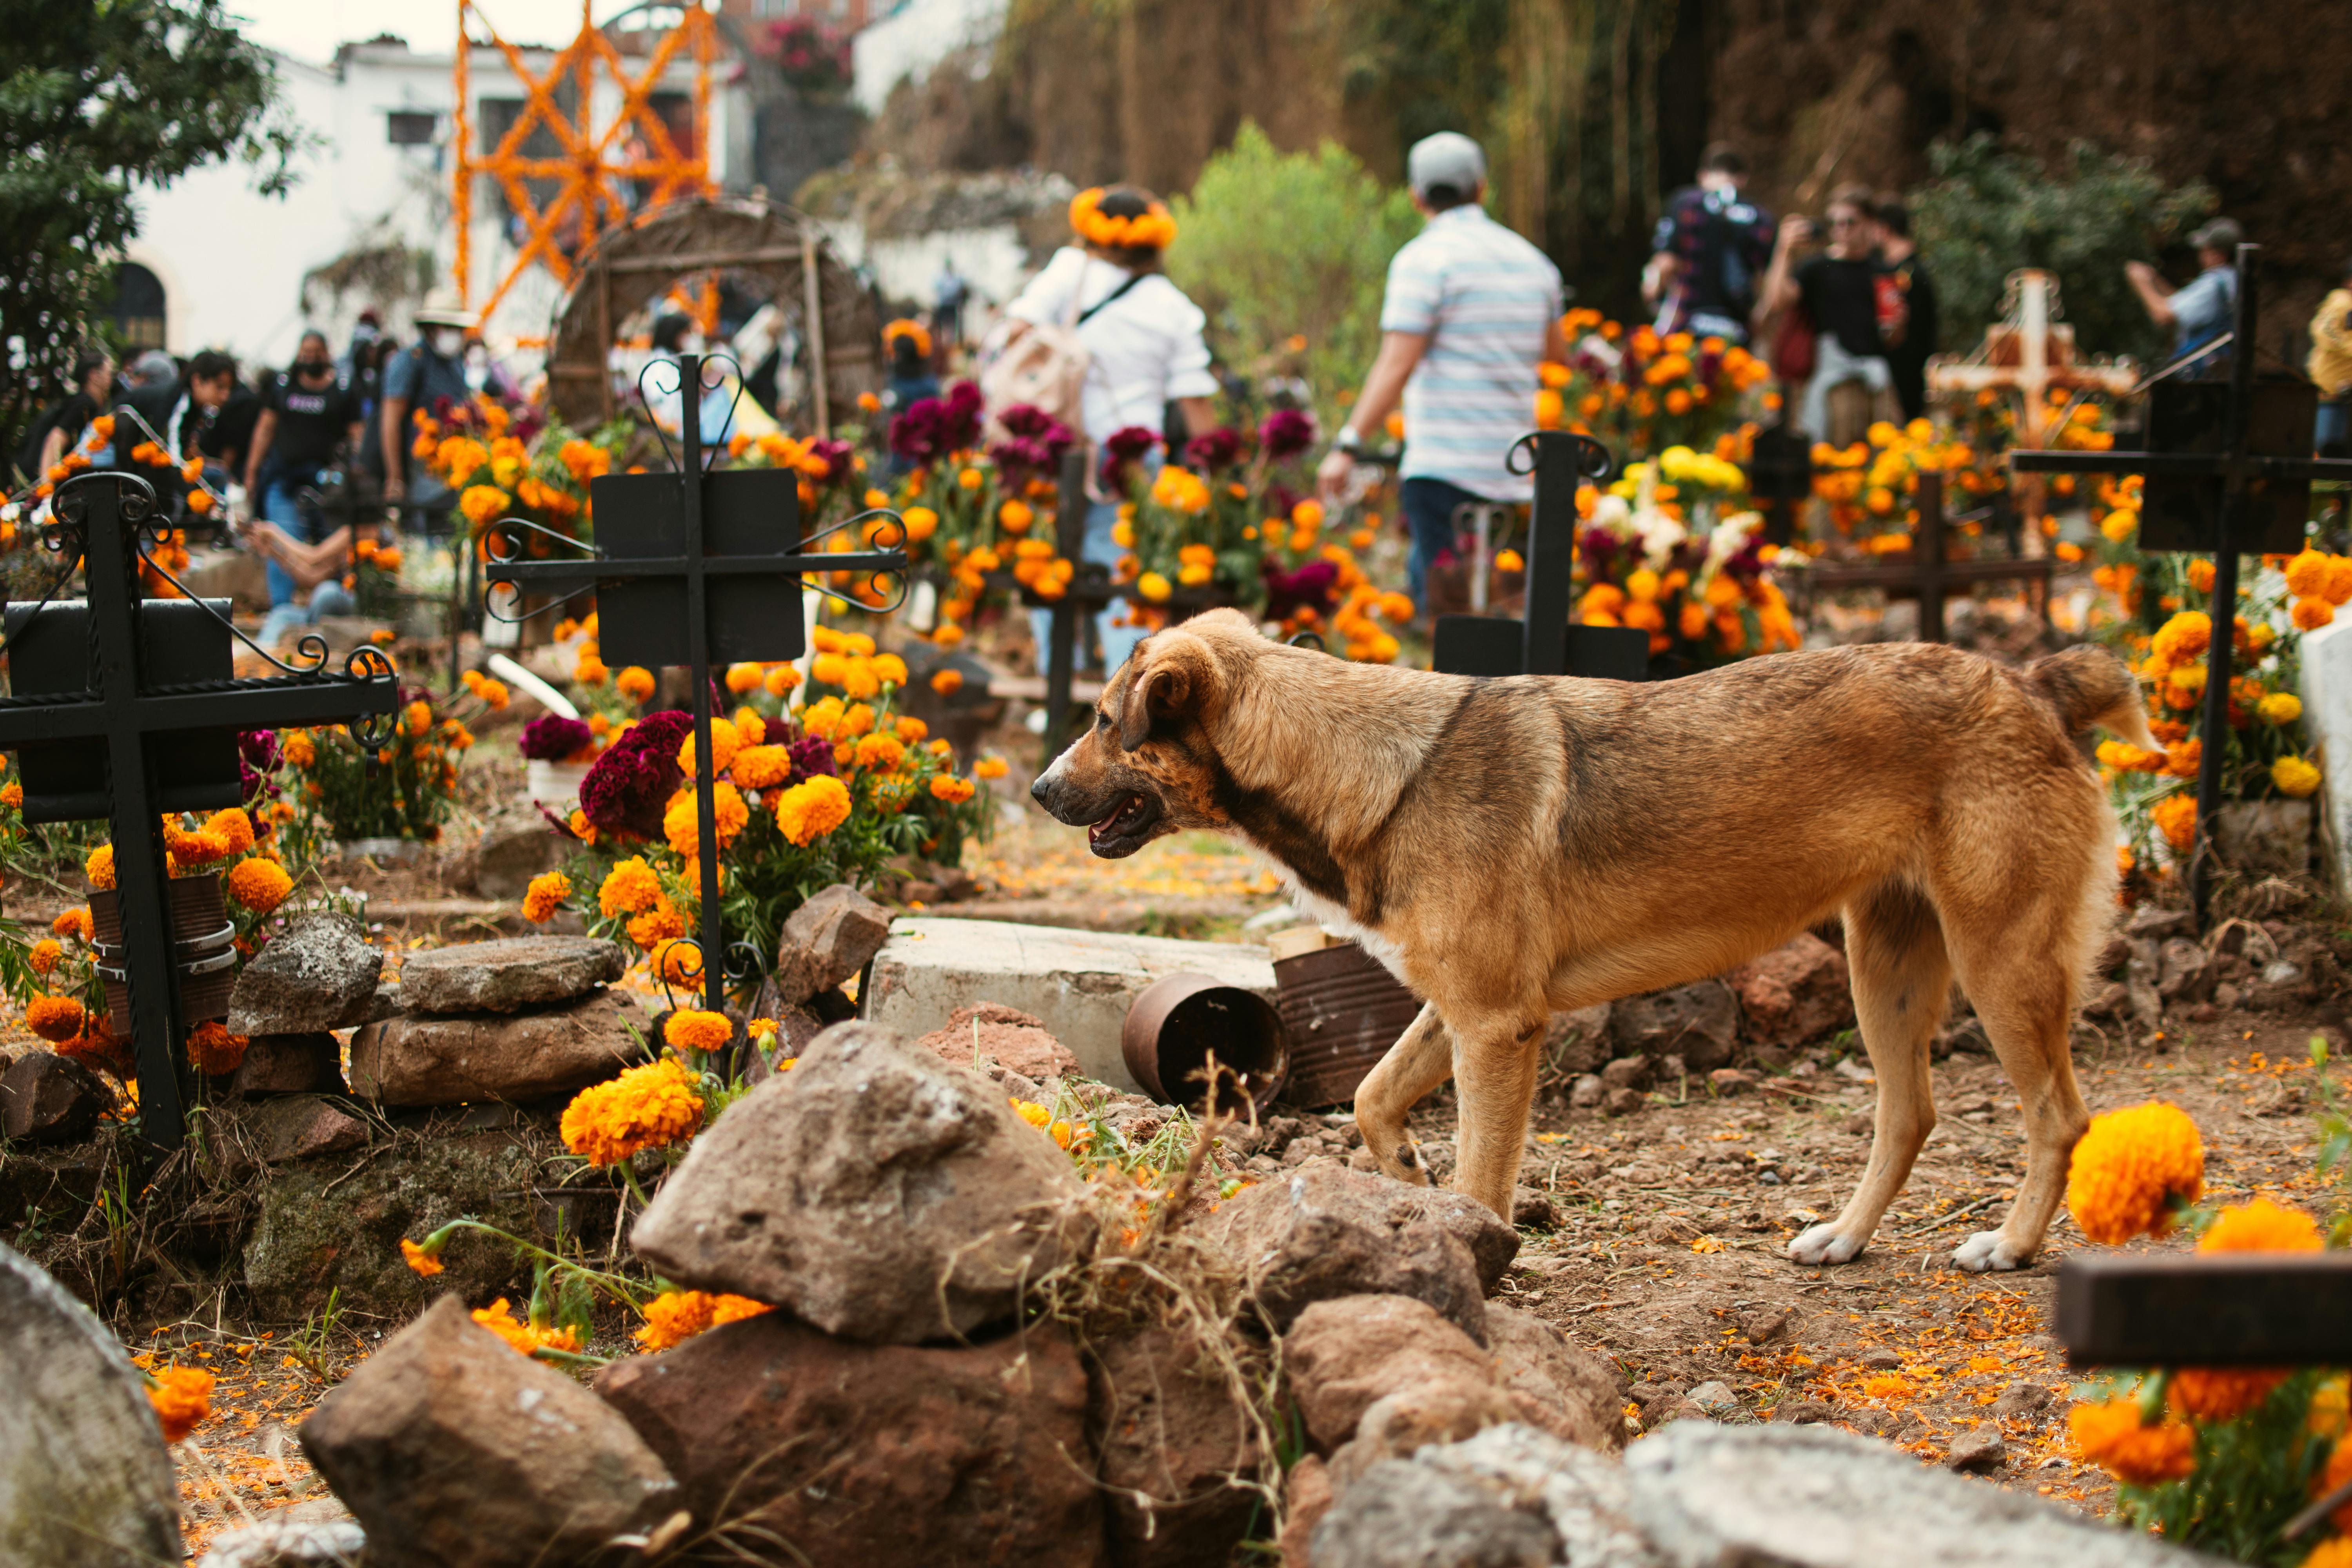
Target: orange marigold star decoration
{"points": [[644, 1108], [2132, 1170]]}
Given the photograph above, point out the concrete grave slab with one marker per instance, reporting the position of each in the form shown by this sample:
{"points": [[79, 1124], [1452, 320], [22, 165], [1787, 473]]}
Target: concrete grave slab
{"points": [[1078, 984]]}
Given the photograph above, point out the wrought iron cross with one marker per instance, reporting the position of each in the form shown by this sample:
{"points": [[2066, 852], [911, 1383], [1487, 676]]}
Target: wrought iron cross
{"points": [[698, 569], [1925, 573], [167, 742], [1542, 642], [2230, 471]]}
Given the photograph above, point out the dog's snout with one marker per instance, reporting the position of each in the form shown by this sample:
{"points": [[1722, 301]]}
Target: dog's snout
{"points": [[1041, 790]]}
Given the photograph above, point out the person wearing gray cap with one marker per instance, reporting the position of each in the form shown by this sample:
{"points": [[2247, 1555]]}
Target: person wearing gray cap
{"points": [[2201, 310], [427, 377], [1472, 310]]}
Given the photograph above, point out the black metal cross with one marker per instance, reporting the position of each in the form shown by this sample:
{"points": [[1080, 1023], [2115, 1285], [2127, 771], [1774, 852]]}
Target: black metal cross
{"points": [[1925, 573], [126, 709], [2230, 470], [1542, 642], [699, 574]]}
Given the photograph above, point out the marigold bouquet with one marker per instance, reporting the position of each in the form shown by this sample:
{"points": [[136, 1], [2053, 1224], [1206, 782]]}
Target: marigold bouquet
{"points": [[1659, 551], [1640, 392]]}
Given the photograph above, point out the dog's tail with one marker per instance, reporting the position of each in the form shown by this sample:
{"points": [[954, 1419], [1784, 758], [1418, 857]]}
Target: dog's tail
{"points": [[2087, 686]]}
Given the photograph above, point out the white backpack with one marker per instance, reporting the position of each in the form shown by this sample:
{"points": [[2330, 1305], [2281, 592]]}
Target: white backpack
{"points": [[1046, 366]]}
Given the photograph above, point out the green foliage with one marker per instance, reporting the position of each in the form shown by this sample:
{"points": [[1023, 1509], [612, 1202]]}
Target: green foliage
{"points": [[96, 98], [1987, 212], [1437, 68], [1274, 243]]}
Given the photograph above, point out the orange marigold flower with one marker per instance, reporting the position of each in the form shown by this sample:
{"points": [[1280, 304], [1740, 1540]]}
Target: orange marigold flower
{"points": [[545, 896], [233, 829], [259, 885], [676, 1316], [183, 1398], [759, 767], [2306, 573], [881, 753], [644, 1108], [526, 1338], [296, 746], [100, 866], [2338, 1471], [2132, 1169], [724, 741], [812, 808], [679, 824], [425, 1263], [745, 677], [2176, 817], [54, 1018], [2310, 615], [213, 1049], [783, 679], [629, 888], [11, 795], [635, 683], [2111, 1437], [74, 922], [656, 925], [990, 767], [45, 955], [693, 1029]]}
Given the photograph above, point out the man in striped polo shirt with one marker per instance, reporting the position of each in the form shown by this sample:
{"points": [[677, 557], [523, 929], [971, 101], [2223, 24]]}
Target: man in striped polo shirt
{"points": [[1472, 310]]}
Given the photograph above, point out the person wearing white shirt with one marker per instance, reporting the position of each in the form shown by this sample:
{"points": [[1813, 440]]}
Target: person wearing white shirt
{"points": [[1143, 340]]}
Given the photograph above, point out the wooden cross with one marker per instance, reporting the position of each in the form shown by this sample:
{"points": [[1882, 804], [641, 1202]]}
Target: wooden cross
{"points": [[2031, 351], [696, 569], [126, 709], [2229, 470], [1924, 573], [1542, 642]]}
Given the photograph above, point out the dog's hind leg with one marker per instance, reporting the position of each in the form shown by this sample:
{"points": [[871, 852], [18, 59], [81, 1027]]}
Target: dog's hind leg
{"points": [[1422, 1059], [2018, 971], [1895, 946]]}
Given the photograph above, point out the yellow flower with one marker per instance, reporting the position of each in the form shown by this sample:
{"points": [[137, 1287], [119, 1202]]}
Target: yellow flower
{"points": [[812, 808], [2307, 574], [921, 524], [644, 1108], [692, 1029], [1152, 585], [2280, 708], [881, 753], [259, 885], [183, 1398], [427, 1263], [545, 896], [724, 741], [481, 503], [783, 679], [745, 677], [680, 826], [2182, 638], [2132, 1168], [758, 767], [2295, 776], [2111, 1437]]}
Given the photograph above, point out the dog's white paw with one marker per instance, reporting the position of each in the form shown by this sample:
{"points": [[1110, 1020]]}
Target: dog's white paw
{"points": [[1986, 1251], [1823, 1243]]}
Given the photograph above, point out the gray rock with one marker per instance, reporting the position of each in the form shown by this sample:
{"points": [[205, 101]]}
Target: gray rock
{"points": [[876, 1192], [2021, 1399], [1328, 1231], [1587, 1091], [1509, 1495], [1626, 1072], [450, 1448], [1698, 1023], [1979, 1450], [423, 1059], [2188, 972], [828, 938], [276, 1544], [514, 847], [2155, 924], [508, 976], [318, 973], [49, 1099], [1812, 1497], [1716, 1398], [1622, 1101], [289, 1064], [84, 1478], [303, 1127]]}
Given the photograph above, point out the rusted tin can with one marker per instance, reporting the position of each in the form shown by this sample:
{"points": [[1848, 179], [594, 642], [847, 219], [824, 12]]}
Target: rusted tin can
{"points": [[1179, 1021], [204, 946], [1343, 1010]]}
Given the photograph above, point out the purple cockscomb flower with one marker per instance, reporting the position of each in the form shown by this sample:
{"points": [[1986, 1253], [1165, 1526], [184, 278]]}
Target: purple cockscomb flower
{"points": [[551, 738]]}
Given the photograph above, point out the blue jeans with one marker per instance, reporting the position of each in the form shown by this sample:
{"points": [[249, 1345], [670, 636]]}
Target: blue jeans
{"points": [[280, 504], [1117, 642], [1429, 511]]}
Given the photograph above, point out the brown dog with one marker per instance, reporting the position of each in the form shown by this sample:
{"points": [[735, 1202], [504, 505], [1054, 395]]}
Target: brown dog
{"points": [[1516, 847]]}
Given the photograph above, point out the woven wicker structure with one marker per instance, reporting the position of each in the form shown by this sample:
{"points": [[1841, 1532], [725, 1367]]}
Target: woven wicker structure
{"points": [[770, 247]]}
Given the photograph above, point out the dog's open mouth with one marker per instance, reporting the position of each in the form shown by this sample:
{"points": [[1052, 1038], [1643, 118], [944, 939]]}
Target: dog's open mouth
{"points": [[1122, 831]]}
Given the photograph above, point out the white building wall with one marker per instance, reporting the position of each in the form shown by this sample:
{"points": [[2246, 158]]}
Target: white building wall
{"points": [[914, 38]]}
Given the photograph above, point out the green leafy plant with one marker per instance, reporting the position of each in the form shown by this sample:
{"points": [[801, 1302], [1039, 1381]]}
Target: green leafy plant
{"points": [[1278, 247], [1987, 211]]}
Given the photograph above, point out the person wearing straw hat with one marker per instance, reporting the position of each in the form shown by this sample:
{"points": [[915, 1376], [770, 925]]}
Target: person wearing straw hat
{"points": [[430, 374]]}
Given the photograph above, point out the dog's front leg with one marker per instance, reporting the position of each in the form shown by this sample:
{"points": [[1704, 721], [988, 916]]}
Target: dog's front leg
{"points": [[1422, 1059], [1495, 1064]]}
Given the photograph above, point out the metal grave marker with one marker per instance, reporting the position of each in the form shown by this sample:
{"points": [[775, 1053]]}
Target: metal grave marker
{"points": [[126, 708], [1925, 573]]}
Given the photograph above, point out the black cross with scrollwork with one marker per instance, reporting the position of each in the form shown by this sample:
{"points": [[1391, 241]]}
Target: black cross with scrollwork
{"points": [[127, 677]]}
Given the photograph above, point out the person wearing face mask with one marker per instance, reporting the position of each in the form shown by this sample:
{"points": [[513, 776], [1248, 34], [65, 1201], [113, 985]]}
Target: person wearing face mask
{"points": [[430, 375], [304, 416]]}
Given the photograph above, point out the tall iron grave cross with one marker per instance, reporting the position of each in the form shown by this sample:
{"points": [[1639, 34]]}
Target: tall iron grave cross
{"points": [[127, 710], [1542, 642], [2228, 470], [1925, 573], [698, 569], [2241, 1309]]}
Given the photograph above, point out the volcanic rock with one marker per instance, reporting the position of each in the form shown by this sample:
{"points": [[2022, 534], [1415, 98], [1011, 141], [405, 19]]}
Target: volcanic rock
{"points": [[1343, 1356], [829, 937], [1796, 992], [317, 973], [1009, 1039], [508, 976], [1698, 1023], [1567, 1391], [420, 1060], [1170, 1439], [49, 1099]]}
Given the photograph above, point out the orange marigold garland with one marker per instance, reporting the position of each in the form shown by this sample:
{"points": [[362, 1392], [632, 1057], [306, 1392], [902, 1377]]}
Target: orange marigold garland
{"points": [[644, 1108], [1153, 230], [2132, 1170]]}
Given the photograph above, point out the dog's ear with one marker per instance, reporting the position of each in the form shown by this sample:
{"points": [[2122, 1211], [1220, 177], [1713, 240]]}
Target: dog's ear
{"points": [[1176, 674]]}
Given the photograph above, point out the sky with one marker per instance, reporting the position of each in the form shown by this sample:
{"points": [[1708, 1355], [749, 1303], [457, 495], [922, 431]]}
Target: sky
{"points": [[309, 30]]}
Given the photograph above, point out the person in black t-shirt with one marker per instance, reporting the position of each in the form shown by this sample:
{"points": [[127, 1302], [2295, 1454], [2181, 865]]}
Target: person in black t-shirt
{"points": [[1839, 290], [307, 416]]}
